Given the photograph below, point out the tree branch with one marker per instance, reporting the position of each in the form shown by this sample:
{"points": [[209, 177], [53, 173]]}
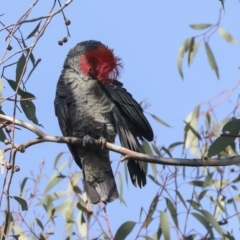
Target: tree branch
{"points": [[127, 154]]}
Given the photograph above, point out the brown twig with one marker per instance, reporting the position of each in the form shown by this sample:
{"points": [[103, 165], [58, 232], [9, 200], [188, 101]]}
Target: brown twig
{"points": [[127, 154]]}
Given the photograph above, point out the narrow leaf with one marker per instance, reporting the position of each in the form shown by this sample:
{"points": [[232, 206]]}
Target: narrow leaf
{"points": [[29, 109], [20, 65], [14, 85], [34, 30], [124, 230], [226, 36], [200, 26], [28, 51], [189, 127], [55, 179], [165, 225], [204, 222], [39, 223], [151, 211], [57, 159], [219, 145], [172, 211], [213, 221], [159, 120], [181, 198], [192, 54], [22, 202], [191, 47], [23, 183], [34, 66], [211, 59]]}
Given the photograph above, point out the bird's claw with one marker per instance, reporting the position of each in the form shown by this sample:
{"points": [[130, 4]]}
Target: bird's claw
{"points": [[102, 141], [87, 140]]}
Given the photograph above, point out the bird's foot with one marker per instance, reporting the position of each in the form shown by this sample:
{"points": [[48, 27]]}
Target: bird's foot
{"points": [[102, 141], [87, 140]]}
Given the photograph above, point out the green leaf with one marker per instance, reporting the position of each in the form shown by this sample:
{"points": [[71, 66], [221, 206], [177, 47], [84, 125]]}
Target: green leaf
{"points": [[213, 221], [181, 198], [154, 180], [208, 120], [145, 148], [52, 197], [27, 95], [232, 127], [186, 44], [14, 85], [2, 135], [175, 144], [20, 65], [197, 183], [29, 109], [180, 56], [194, 204], [22, 202], [200, 26], [191, 135], [192, 53], [23, 183], [120, 183], [34, 66], [159, 120], [81, 205], [190, 237], [151, 211], [189, 127], [124, 230], [211, 59], [55, 179], [184, 48], [28, 51], [154, 169], [219, 145], [172, 211], [53, 182], [166, 151], [57, 159], [202, 194], [156, 150], [34, 30], [191, 47], [39, 223], [165, 225], [204, 222], [227, 36]]}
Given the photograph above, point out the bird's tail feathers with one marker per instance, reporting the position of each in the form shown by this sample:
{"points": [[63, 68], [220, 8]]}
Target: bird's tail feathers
{"points": [[99, 180]]}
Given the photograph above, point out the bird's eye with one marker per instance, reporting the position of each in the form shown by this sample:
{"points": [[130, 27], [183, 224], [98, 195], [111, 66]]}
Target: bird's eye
{"points": [[89, 70]]}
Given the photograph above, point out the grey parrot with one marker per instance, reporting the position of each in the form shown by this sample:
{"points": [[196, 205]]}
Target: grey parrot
{"points": [[91, 103]]}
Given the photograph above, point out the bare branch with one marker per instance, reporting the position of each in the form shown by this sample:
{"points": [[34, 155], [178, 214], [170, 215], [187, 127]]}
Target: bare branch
{"points": [[127, 154]]}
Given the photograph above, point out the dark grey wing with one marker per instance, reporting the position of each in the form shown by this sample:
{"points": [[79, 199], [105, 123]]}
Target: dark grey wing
{"points": [[130, 123], [130, 109], [61, 102]]}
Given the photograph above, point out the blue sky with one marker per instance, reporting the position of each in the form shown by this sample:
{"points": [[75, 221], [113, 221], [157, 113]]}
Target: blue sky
{"points": [[146, 36]]}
